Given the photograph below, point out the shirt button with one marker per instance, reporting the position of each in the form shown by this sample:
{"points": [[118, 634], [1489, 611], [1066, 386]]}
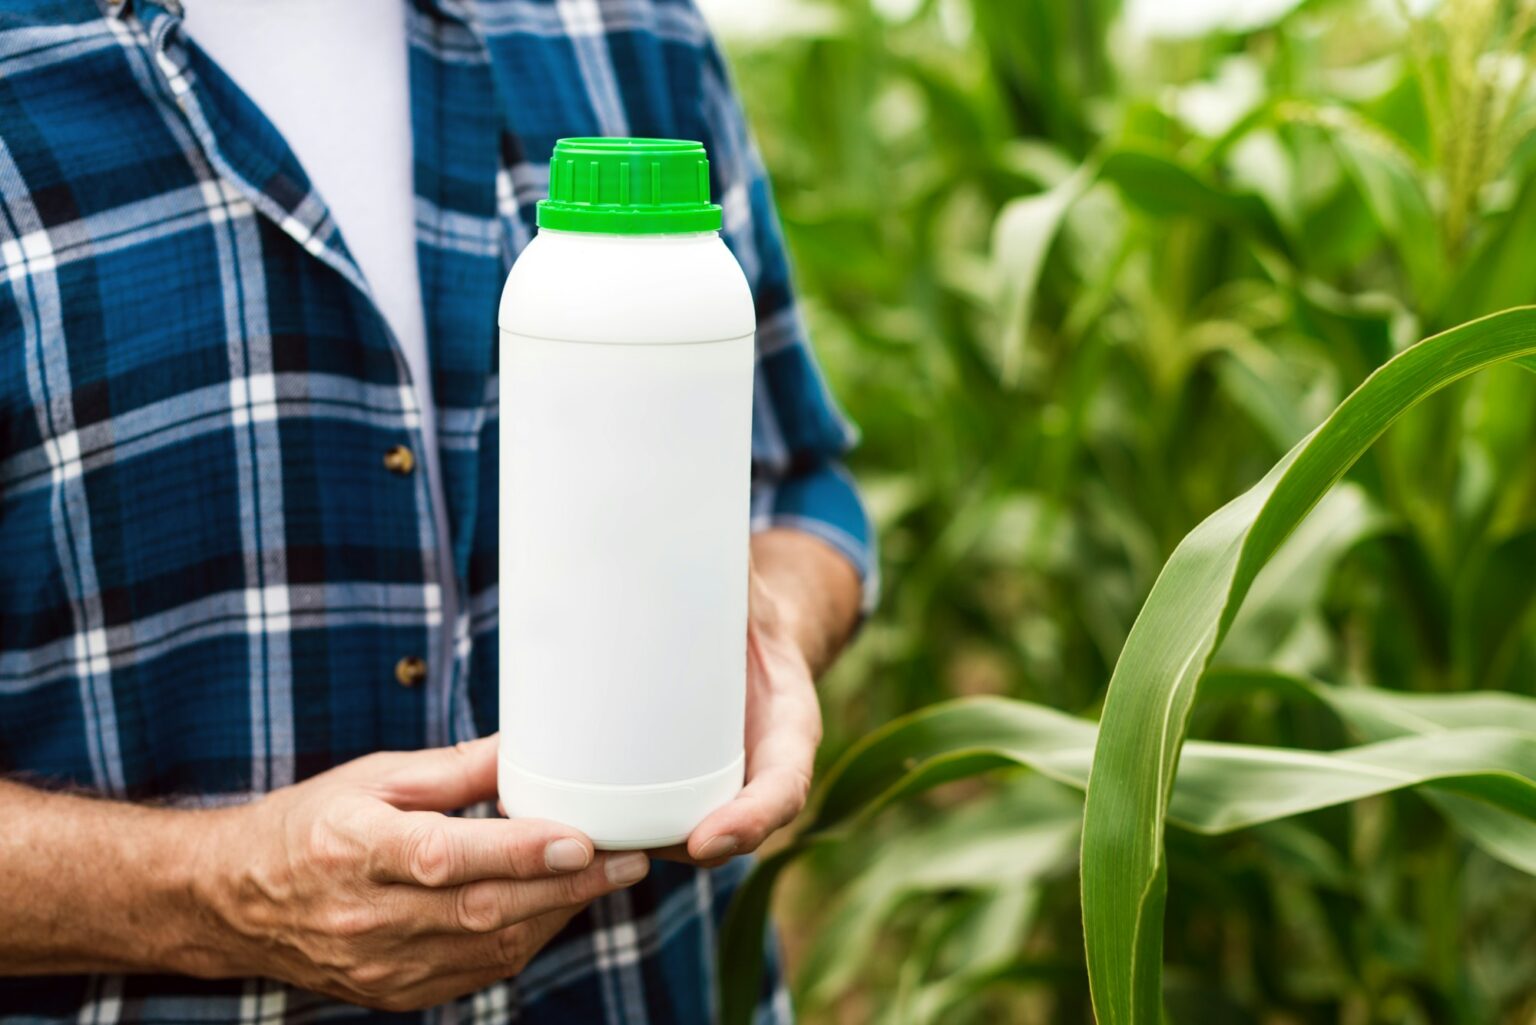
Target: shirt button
{"points": [[410, 670], [399, 460]]}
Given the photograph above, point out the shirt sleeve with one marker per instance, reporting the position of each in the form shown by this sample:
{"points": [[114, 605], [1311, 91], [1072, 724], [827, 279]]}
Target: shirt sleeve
{"points": [[799, 436]]}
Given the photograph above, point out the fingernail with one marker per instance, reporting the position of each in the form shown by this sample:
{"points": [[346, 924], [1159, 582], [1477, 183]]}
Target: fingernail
{"points": [[566, 855], [721, 846], [623, 869]]}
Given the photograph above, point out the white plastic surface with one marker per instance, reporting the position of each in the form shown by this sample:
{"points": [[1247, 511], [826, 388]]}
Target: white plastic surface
{"points": [[626, 404], [631, 289], [626, 817]]}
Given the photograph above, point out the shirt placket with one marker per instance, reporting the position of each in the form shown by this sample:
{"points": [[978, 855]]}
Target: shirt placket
{"points": [[245, 165], [458, 128]]}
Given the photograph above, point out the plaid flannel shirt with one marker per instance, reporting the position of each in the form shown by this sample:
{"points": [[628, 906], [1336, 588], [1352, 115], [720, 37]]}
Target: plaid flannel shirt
{"points": [[210, 575]]}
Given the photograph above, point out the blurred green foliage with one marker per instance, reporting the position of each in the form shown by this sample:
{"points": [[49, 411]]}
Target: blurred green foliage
{"points": [[1079, 287]]}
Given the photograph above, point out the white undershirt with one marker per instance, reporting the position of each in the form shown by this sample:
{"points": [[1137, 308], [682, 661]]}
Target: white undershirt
{"points": [[332, 76]]}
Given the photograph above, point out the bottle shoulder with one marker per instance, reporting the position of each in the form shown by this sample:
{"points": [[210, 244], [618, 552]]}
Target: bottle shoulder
{"points": [[645, 290]]}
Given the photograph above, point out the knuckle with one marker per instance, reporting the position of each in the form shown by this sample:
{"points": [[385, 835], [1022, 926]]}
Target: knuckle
{"points": [[516, 950], [476, 909], [326, 849], [371, 979], [400, 1003], [366, 769], [581, 887], [371, 763], [429, 856], [800, 783], [351, 921]]}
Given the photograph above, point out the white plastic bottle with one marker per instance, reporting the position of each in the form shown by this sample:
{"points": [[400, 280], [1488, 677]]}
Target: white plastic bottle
{"points": [[626, 408]]}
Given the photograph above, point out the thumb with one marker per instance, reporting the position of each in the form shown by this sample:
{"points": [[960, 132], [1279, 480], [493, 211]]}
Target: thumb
{"points": [[440, 778]]}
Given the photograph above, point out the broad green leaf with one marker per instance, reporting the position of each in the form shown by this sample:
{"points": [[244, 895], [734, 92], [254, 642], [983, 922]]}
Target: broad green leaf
{"points": [[742, 936], [981, 945], [1165, 188], [1390, 187], [1497, 597], [1294, 578], [1301, 852], [1379, 714], [919, 749], [1021, 238], [1190, 607], [1382, 714], [1220, 788], [1011, 837], [1498, 272], [1224, 787], [1509, 838], [1253, 377], [933, 1002], [1052, 52]]}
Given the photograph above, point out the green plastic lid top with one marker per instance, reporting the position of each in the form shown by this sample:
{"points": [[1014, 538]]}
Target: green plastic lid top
{"points": [[629, 187]]}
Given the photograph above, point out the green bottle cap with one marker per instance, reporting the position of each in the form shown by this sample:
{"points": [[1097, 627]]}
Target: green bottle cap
{"points": [[629, 187]]}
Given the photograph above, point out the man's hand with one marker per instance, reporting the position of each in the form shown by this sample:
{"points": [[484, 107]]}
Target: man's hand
{"points": [[352, 883], [804, 603]]}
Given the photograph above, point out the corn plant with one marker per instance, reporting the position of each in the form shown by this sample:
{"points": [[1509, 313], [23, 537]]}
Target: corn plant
{"points": [[1080, 289]]}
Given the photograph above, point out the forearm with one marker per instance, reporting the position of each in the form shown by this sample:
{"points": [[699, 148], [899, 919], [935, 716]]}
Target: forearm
{"points": [[92, 885], [816, 590], [353, 883]]}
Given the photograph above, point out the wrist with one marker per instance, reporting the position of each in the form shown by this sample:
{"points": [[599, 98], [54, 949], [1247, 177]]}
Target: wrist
{"points": [[775, 614], [808, 592], [199, 866]]}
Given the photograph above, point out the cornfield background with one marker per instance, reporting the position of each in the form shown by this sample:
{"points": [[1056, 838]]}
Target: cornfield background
{"points": [[1083, 276]]}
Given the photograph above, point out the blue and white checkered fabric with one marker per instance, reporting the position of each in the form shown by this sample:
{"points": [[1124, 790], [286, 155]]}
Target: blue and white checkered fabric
{"points": [[209, 575]]}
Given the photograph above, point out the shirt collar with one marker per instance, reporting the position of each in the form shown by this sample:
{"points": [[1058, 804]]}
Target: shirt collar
{"points": [[121, 9]]}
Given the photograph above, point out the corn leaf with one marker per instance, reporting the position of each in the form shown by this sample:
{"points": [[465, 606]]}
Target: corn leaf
{"points": [[982, 949], [1391, 188], [742, 936], [1378, 714], [1500, 593], [1293, 581], [1009, 839], [1220, 787], [1382, 714], [1163, 187], [1486, 775], [1152, 690], [1021, 238]]}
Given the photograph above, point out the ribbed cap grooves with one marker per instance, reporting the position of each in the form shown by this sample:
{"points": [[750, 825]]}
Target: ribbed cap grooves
{"points": [[629, 187]]}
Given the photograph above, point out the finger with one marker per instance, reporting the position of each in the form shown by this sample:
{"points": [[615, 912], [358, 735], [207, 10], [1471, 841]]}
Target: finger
{"points": [[767, 804], [778, 781], [428, 849], [474, 962], [508, 951], [439, 778], [491, 905]]}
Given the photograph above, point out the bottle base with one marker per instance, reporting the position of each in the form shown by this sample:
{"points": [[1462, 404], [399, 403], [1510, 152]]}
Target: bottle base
{"points": [[619, 817]]}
